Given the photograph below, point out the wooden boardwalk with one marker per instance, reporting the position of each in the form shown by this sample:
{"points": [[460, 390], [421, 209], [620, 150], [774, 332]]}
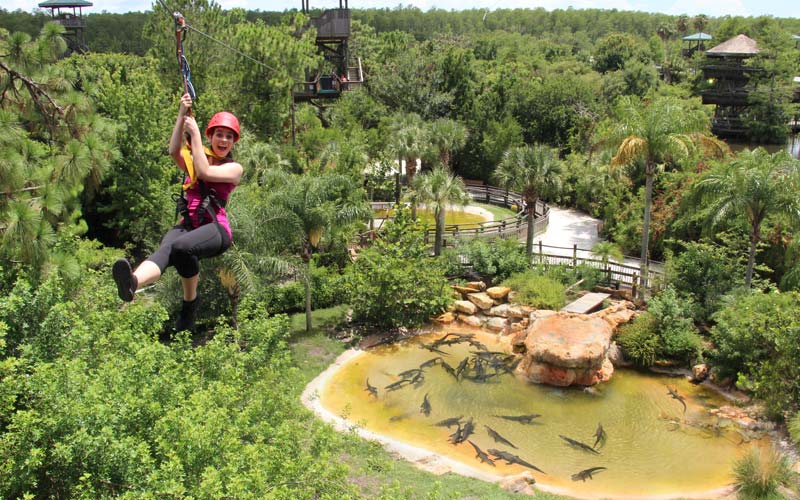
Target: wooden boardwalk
{"points": [[587, 303]]}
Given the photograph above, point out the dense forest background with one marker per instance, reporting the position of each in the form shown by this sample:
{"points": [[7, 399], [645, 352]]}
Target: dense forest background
{"points": [[593, 109]]}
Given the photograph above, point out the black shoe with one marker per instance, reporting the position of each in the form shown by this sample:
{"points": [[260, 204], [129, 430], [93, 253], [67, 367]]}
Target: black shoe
{"points": [[126, 281], [186, 316]]}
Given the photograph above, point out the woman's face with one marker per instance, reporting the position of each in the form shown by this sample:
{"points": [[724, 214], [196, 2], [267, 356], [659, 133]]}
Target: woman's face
{"points": [[222, 140]]}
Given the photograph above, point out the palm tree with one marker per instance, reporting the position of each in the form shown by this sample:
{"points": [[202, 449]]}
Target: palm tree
{"points": [[437, 189], [408, 143], [606, 251], [754, 185], [447, 136], [657, 133], [303, 208], [534, 171], [700, 22]]}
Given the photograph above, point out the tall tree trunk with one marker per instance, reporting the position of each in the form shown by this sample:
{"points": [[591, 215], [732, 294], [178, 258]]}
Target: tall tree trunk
{"points": [[308, 293], [411, 171], [529, 235], [648, 196], [439, 240], [755, 236]]}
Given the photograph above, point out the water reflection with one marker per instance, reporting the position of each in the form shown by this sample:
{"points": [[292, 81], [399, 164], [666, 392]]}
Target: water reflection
{"points": [[651, 445], [792, 146]]}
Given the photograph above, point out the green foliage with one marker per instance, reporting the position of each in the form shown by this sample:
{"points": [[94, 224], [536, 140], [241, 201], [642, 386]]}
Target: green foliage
{"points": [[640, 341], [759, 474], [674, 326], [54, 148], [706, 273], [757, 338], [133, 204], [535, 290], [495, 259], [394, 282], [110, 410]]}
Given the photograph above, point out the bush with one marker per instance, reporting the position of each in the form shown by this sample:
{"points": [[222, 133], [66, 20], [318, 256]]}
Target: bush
{"points": [[534, 290], [113, 412], [705, 273], [673, 323], [759, 474], [757, 341], [640, 341], [497, 259], [394, 282]]}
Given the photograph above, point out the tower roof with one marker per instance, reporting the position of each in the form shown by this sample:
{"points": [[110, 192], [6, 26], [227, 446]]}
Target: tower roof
{"points": [[49, 4], [698, 37], [740, 45]]}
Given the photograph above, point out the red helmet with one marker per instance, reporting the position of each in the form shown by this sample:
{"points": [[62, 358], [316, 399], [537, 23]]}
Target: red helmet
{"points": [[223, 119]]}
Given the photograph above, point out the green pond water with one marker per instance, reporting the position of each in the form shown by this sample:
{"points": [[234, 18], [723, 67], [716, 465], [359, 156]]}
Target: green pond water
{"points": [[652, 447]]}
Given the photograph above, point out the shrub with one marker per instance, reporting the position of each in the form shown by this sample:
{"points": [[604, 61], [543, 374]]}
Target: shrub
{"points": [[534, 290], [394, 282], [757, 340], [705, 273], [639, 340], [497, 259], [759, 474], [673, 323]]}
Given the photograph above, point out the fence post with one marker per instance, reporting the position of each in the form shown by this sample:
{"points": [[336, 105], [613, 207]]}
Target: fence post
{"points": [[634, 285], [541, 253], [574, 255]]}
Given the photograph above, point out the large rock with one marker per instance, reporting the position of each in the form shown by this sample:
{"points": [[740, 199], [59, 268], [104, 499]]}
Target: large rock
{"points": [[472, 320], [565, 349], [509, 311], [498, 292], [481, 300], [465, 307], [497, 324]]}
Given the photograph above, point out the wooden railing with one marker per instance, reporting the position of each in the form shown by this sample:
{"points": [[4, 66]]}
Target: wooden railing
{"points": [[511, 227]]}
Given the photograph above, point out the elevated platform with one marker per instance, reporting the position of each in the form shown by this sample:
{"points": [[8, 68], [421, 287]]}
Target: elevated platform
{"points": [[586, 304]]}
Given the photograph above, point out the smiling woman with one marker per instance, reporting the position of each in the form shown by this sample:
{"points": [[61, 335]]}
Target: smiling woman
{"points": [[203, 231]]}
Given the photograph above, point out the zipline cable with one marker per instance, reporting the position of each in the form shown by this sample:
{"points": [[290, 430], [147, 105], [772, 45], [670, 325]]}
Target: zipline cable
{"points": [[185, 25]]}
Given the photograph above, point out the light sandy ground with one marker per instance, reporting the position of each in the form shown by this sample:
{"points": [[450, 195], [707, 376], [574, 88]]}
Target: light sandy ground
{"points": [[433, 462]]}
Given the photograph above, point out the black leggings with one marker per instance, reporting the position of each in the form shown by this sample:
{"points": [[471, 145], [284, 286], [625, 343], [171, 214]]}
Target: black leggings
{"points": [[183, 248]]}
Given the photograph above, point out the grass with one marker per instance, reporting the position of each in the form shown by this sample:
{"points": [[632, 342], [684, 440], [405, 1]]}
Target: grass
{"points": [[499, 213], [378, 474], [425, 216]]}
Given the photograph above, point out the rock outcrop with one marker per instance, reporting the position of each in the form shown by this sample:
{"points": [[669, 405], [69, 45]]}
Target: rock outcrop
{"points": [[557, 348]]}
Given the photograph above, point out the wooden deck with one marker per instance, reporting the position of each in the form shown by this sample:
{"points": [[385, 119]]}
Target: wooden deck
{"points": [[587, 303]]}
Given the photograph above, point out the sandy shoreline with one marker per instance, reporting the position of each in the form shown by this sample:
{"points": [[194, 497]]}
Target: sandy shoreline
{"points": [[438, 464]]}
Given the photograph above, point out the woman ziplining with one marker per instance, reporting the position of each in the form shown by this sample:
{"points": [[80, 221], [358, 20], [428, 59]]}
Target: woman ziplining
{"points": [[204, 230]]}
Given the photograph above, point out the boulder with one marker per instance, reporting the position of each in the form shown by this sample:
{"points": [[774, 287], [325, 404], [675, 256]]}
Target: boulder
{"points": [[472, 319], [498, 292], [564, 349], [465, 307], [497, 324], [567, 340], [700, 372], [445, 318], [509, 311], [478, 285], [464, 290], [481, 300]]}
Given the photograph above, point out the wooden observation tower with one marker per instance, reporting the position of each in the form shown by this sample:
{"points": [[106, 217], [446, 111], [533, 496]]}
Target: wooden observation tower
{"points": [[69, 14], [729, 76], [342, 73]]}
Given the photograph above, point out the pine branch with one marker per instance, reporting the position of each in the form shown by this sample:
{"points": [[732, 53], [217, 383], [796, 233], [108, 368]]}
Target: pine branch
{"points": [[34, 88], [31, 188]]}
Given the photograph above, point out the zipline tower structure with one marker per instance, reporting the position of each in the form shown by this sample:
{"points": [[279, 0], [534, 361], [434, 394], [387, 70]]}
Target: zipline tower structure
{"points": [[343, 73], [729, 75], [69, 14]]}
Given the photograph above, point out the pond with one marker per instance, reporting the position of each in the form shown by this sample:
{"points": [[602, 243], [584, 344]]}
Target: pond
{"points": [[651, 448]]}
